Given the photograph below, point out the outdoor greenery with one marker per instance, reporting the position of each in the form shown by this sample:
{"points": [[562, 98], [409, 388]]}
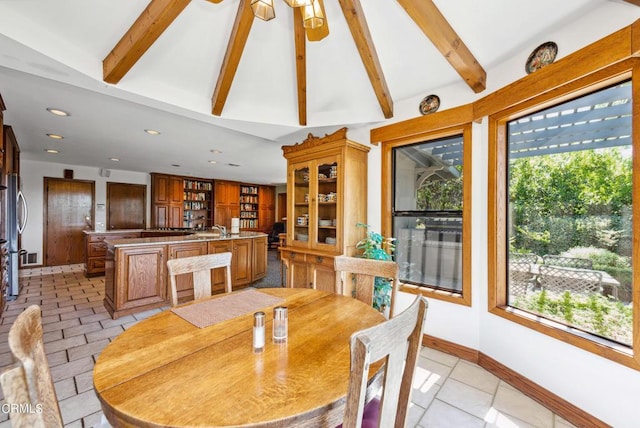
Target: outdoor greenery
{"points": [[376, 247], [577, 204], [593, 313], [576, 199], [439, 194]]}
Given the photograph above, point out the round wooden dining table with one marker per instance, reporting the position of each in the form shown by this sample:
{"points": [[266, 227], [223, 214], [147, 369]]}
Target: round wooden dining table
{"points": [[167, 372]]}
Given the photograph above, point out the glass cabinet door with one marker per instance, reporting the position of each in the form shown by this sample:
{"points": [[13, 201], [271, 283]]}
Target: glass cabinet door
{"points": [[326, 190], [301, 205]]}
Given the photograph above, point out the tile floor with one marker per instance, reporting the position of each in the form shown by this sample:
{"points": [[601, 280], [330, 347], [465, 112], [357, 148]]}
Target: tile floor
{"points": [[449, 392]]}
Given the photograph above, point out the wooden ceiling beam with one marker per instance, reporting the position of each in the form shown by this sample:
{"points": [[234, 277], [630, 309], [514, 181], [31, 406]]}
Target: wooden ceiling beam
{"points": [[301, 67], [151, 23], [428, 17], [634, 2], [235, 48], [354, 15]]}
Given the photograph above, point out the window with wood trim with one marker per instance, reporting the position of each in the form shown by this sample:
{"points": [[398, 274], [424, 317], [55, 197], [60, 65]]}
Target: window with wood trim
{"points": [[560, 217], [430, 212]]}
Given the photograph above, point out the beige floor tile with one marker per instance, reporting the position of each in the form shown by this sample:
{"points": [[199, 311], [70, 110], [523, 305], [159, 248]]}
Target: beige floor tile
{"points": [[443, 415], [441, 357], [476, 376], [465, 397], [77, 407], [432, 370], [515, 403], [93, 348], [71, 369]]}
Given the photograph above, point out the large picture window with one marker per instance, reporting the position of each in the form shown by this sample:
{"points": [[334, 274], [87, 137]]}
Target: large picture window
{"points": [[569, 213], [561, 229]]}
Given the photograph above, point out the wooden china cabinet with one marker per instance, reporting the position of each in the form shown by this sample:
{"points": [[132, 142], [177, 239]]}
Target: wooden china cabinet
{"points": [[327, 181]]}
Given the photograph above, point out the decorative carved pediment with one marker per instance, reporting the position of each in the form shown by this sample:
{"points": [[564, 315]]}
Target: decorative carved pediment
{"points": [[313, 141]]}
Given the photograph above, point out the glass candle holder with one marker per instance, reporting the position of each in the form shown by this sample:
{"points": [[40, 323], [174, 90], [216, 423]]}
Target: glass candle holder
{"points": [[258, 331], [280, 324]]}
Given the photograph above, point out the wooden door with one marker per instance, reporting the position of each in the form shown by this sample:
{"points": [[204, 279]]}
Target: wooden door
{"points": [[126, 206], [282, 206], [68, 210]]}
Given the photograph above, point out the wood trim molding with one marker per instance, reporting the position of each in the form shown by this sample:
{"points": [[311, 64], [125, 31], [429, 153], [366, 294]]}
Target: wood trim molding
{"points": [[605, 52], [436, 27], [420, 125], [151, 23], [235, 48], [548, 399], [357, 22], [313, 141]]}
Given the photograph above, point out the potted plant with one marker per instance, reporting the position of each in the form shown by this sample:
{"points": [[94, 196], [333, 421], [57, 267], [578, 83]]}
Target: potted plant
{"points": [[376, 247]]}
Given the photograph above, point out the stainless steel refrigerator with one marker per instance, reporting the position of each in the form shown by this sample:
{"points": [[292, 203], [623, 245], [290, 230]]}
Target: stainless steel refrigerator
{"points": [[16, 221]]}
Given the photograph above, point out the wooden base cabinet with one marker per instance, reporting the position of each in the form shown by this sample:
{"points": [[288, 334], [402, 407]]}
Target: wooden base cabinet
{"points": [[135, 279], [95, 250], [309, 270], [260, 254]]}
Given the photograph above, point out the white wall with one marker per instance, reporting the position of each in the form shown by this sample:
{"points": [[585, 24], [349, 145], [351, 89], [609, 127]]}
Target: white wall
{"points": [[607, 390], [32, 175]]}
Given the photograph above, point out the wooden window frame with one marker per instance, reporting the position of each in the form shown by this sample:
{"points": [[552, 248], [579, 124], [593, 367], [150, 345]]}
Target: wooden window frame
{"points": [[497, 215], [438, 126]]}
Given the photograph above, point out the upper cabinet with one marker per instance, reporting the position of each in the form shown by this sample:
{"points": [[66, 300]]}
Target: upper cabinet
{"points": [[327, 181], [166, 209], [227, 202]]}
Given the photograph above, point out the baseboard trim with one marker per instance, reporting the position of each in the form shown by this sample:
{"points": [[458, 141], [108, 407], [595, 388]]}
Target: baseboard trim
{"points": [[551, 401]]}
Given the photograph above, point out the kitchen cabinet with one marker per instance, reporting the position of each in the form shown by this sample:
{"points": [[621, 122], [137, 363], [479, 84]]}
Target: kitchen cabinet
{"points": [[135, 279], [260, 254], [218, 275], [95, 249], [226, 202], [327, 184], [267, 208], [167, 197], [241, 261]]}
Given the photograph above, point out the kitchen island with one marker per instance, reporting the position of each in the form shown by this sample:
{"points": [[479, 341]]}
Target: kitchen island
{"points": [[136, 277]]}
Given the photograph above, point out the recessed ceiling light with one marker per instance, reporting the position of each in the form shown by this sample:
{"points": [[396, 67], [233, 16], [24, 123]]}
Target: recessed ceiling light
{"points": [[58, 112], [114, 159], [212, 161], [55, 136], [152, 132], [233, 164], [216, 151], [175, 165], [54, 151]]}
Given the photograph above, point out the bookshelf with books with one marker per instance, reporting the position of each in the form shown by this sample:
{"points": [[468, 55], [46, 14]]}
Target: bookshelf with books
{"points": [[197, 203], [249, 218]]}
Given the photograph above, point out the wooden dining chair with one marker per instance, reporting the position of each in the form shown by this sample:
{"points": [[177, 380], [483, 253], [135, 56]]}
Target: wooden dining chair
{"points": [[29, 385], [364, 272], [201, 267], [398, 341]]}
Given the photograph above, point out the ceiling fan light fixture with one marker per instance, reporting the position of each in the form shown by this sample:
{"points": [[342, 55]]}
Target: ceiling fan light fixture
{"points": [[312, 16], [298, 3], [263, 9]]}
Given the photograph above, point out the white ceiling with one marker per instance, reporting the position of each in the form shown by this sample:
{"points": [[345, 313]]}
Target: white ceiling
{"points": [[51, 55]]}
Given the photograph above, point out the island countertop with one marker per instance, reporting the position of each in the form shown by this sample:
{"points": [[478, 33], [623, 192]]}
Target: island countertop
{"points": [[195, 237]]}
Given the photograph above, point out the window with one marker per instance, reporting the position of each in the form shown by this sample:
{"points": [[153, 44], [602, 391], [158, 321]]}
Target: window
{"points": [[569, 213], [428, 211], [561, 204]]}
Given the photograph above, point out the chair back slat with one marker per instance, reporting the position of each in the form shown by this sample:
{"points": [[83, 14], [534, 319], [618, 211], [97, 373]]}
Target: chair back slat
{"points": [[30, 382], [397, 340], [200, 267], [365, 271]]}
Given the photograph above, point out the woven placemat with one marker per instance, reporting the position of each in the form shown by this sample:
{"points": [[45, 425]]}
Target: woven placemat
{"points": [[224, 308]]}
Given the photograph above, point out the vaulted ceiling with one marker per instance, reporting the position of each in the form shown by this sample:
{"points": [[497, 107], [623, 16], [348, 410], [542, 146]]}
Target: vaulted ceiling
{"points": [[210, 76]]}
